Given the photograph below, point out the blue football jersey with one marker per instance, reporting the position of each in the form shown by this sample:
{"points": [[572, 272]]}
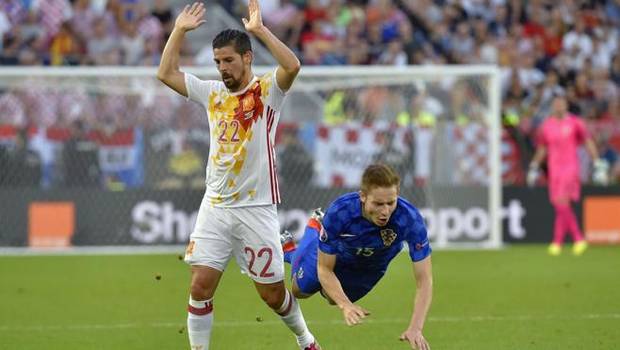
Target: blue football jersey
{"points": [[360, 244]]}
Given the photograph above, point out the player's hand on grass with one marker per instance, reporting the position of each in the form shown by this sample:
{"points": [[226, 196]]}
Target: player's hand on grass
{"points": [[191, 17], [415, 339], [256, 21], [354, 314]]}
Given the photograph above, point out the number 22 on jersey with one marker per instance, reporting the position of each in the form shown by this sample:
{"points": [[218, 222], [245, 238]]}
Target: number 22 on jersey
{"points": [[228, 131]]}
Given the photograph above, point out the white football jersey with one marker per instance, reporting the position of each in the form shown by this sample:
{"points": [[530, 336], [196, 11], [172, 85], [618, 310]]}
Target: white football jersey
{"points": [[241, 169]]}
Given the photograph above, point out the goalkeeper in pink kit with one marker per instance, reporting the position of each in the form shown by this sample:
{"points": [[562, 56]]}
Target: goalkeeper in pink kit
{"points": [[559, 137]]}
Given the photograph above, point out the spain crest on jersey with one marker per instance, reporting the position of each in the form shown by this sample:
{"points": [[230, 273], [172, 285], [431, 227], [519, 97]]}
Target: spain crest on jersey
{"points": [[388, 236]]}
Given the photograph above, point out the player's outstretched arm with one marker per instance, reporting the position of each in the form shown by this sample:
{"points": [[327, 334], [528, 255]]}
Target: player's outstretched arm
{"points": [[289, 63], [169, 73], [353, 314], [424, 294]]}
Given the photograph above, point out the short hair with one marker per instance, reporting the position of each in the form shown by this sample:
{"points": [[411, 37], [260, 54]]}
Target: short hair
{"points": [[235, 38], [379, 175]]}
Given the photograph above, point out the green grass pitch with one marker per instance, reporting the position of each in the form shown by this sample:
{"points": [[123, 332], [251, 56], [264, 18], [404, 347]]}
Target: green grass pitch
{"points": [[515, 298]]}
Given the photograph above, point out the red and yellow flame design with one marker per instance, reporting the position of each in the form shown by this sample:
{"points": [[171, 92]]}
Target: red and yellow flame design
{"points": [[232, 118]]}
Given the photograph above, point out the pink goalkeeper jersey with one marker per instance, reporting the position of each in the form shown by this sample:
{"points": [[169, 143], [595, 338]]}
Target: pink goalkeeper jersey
{"points": [[562, 136], [241, 169]]}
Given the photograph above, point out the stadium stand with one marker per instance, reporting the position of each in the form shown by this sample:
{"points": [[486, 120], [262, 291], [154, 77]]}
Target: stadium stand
{"points": [[543, 47]]}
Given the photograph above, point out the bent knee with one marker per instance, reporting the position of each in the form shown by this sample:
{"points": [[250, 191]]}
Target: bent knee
{"points": [[203, 284], [273, 297], [199, 292]]}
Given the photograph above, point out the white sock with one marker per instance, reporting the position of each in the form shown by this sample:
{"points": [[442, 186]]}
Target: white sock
{"points": [[199, 323], [290, 314]]}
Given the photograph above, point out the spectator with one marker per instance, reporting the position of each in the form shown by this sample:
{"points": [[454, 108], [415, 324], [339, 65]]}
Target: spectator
{"points": [[132, 45], [24, 165], [5, 25], [31, 28], [40, 101], [12, 110], [102, 48], [149, 26], [463, 43], [152, 52], [397, 159], [295, 163], [53, 14], [285, 21], [74, 106], [186, 168], [577, 41], [80, 157], [615, 69], [394, 55], [83, 19], [65, 47], [163, 12], [543, 48]]}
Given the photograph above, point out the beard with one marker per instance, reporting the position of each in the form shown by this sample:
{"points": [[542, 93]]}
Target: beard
{"points": [[231, 82]]}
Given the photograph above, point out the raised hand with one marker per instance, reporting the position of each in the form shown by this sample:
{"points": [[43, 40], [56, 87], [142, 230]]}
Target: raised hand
{"points": [[415, 339], [191, 17], [256, 21]]}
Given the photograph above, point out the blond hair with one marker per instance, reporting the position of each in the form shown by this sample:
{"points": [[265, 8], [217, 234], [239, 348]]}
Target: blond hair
{"points": [[379, 175]]}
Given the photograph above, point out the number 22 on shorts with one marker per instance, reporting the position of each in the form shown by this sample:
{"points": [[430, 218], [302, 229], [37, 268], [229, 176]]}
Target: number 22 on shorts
{"points": [[263, 254]]}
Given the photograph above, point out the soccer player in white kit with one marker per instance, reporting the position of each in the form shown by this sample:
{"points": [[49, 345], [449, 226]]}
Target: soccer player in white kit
{"points": [[238, 215]]}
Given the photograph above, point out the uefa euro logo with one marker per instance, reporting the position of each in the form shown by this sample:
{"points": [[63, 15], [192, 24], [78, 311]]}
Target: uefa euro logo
{"points": [[300, 273]]}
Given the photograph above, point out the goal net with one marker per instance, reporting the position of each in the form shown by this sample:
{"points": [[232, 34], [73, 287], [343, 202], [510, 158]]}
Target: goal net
{"points": [[439, 127], [126, 155]]}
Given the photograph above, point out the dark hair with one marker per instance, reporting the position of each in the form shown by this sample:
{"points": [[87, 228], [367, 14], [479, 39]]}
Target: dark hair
{"points": [[232, 37], [379, 175]]}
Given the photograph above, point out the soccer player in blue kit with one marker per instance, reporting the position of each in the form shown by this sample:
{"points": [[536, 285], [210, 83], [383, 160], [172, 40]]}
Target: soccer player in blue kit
{"points": [[344, 253]]}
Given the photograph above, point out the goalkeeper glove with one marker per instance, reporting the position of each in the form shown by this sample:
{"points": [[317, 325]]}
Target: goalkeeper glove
{"points": [[600, 175], [532, 175]]}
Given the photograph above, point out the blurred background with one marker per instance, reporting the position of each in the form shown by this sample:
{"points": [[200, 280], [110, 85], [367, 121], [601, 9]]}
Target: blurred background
{"points": [[84, 124], [100, 162]]}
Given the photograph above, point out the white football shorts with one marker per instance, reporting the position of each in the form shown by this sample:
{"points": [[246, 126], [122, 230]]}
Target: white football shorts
{"points": [[251, 234]]}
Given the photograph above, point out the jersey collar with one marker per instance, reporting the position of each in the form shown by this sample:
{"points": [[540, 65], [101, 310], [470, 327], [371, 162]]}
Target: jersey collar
{"points": [[242, 91]]}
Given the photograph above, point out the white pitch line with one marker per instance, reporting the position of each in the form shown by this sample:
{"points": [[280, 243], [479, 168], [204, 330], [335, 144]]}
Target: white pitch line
{"points": [[236, 324]]}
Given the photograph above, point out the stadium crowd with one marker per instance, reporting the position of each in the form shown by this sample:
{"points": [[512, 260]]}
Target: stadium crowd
{"points": [[543, 48]]}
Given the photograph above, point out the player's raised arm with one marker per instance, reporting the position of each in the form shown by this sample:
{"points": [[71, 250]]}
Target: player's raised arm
{"points": [[352, 313], [189, 19], [423, 297], [289, 63]]}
